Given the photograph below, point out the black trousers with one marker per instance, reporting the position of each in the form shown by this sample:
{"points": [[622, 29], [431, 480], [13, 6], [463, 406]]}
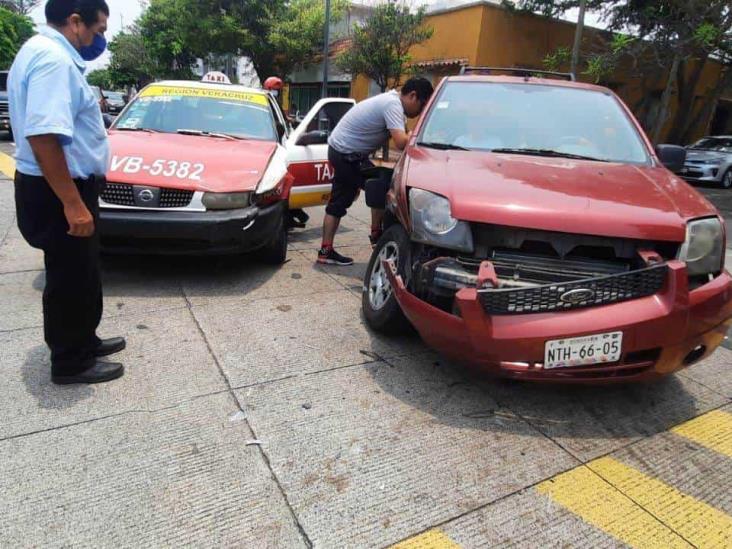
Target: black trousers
{"points": [[347, 180], [72, 298]]}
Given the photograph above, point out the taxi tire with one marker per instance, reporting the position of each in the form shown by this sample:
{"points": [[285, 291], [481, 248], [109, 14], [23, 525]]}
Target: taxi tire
{"points": [[389, 319], [275, 253]]}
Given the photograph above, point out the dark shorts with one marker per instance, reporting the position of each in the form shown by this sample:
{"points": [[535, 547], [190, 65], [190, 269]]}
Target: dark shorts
{"points": [[347, 180]]}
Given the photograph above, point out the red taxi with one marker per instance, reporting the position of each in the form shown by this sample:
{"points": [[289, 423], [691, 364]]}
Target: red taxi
{"points": [[205, 167], [534, 231]]}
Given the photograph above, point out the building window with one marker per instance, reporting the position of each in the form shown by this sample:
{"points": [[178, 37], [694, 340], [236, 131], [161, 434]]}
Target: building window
{"points": [[304, 96]]}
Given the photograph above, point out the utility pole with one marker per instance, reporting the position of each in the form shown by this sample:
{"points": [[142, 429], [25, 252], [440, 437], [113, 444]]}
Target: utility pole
{"points": [[324, 91], [578, 36]]}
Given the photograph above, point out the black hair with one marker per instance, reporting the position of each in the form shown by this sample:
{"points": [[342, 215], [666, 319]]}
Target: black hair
{"points": [[422, 86], [58, 11]]}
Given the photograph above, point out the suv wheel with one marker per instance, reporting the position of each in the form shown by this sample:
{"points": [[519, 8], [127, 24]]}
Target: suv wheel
{"points": [[380, 307]]}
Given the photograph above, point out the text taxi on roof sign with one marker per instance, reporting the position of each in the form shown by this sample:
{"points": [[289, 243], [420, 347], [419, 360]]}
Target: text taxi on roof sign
{"points": [[204, 168]]}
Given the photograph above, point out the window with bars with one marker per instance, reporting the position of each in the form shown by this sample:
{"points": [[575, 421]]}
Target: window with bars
{"points": [[304, 96]]}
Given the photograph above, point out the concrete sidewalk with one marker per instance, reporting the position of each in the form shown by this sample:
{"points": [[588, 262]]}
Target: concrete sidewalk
{"points": [[258, 410]]}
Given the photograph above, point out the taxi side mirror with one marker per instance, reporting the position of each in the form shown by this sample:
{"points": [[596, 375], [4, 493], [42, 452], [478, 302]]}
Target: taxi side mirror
{"points": [[317, 137], [672, 156]]}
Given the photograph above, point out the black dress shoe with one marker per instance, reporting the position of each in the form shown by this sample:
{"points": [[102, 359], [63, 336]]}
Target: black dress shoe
{"points": [[99, 373], [110, 346]]}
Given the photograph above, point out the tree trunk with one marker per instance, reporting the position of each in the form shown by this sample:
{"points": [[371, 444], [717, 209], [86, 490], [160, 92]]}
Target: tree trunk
{"points": [[578, 36], [712, 100], [687, 96], [666, 100]]}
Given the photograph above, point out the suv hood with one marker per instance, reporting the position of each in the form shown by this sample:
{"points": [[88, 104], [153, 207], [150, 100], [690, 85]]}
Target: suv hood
{"points": [[221, 165], [556, 194]]}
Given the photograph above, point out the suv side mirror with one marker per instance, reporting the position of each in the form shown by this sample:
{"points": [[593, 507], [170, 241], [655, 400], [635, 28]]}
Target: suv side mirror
{"points": [[672, 156], [317, 137]]}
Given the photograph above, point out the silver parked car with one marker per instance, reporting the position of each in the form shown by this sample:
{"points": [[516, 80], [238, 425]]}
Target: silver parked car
{"points": [[709, 160]]}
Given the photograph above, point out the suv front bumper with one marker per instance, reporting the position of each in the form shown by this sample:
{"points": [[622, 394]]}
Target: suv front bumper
{"points": [[662, 333]]}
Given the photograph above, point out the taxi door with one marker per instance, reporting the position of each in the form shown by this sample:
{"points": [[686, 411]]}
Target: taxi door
{"points": [[307, 153]]}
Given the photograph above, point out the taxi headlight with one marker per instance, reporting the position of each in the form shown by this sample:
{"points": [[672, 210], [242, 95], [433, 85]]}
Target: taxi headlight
{"points": [[226, 201], [432, 222], [703, 251]]}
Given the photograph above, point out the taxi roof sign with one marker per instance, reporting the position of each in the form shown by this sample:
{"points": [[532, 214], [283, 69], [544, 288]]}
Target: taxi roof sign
{"points": [[216, 76]]}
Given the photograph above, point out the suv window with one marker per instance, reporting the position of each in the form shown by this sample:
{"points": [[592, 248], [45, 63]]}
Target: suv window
{"points": [[572, 121]]}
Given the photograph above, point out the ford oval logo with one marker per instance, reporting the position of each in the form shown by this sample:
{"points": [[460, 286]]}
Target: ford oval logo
{"points": [[579, 295], [146, 195]]}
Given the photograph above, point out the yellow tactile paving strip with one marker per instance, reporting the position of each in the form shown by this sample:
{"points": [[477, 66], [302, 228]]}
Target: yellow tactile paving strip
{"points": [[631, 506], [432, 539], [7, 165], [712, 430], [599, 503]]}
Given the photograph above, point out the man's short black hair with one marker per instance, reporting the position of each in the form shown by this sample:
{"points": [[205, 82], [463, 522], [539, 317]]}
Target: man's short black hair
{"points": [[58, 11], [422, 86]]}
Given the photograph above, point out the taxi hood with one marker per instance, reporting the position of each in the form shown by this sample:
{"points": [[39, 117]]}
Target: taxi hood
{"points": [[197, 163], [557, 194]]}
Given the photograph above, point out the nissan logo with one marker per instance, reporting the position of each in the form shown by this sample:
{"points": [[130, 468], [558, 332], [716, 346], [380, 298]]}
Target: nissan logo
{"points": [[146, 195], [579, 295]]}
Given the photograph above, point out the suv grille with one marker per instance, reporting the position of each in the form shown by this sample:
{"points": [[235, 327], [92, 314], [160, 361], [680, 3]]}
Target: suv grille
{"points": [[602, 290], [121, 194]]}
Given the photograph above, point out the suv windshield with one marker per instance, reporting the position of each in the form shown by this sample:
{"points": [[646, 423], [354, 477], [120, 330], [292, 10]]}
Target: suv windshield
{"points": [[184, 110], [721, 144], [533, 119]]}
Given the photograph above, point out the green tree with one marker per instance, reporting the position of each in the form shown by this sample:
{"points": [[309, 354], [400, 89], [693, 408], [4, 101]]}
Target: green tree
{"points": [[277, 35], [101, 78], [380, 48], [15, 29], [297, 35], [667, 40], [23, 7], [130, 64]]}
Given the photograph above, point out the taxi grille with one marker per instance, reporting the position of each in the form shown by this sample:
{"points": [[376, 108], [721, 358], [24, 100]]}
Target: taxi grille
{"points": [[593, 292], [175, 198], [121, 194]]}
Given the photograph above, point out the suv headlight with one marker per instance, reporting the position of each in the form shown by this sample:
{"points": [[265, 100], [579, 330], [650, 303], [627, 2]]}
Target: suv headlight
{"points": [[433, 224], [226, 201], [703, 251]]}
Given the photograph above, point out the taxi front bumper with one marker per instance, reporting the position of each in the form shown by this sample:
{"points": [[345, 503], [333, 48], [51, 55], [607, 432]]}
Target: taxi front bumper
{"points": [[662, 333], [158, 232]]}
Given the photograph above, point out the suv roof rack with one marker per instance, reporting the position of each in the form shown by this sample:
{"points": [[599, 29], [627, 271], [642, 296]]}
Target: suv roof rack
{"points": [[517, 71]]}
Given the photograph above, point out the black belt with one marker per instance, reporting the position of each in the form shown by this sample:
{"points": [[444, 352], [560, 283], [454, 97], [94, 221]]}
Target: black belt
{"points": [[352, 158]]}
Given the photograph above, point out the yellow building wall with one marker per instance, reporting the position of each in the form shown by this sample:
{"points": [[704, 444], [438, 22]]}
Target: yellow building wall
{"points": [[456, 35]]}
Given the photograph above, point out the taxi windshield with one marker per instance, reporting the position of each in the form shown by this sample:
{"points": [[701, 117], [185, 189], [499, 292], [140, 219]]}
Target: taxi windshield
{"points": [[533, 119], [188, 110]]}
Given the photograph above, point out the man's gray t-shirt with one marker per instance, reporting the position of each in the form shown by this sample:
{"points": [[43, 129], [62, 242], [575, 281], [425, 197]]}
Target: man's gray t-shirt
{"points": [[366, 126]]}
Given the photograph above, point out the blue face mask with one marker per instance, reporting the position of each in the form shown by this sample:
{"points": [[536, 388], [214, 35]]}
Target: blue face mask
{"points": [[90, 53]]}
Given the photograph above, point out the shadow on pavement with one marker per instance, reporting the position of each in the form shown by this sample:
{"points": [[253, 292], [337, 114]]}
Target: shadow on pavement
{"points": [[36, 375], [429, 382]]}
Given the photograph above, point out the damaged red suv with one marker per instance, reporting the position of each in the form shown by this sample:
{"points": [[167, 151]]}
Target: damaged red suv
{"points": [[532, 230]]}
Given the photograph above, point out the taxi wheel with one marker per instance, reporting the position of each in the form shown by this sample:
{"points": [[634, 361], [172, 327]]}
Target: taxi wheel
{"points": [[275, 253], [379, 305]]}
